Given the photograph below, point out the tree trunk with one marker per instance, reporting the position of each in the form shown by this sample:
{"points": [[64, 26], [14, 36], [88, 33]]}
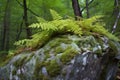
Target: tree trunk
{"points": [[76, 9], [6, 25], [28, 31], [87, 9]]}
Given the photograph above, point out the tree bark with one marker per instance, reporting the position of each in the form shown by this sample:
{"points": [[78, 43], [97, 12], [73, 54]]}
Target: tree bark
{"points": [[76, 9], [28, 31], [6, 25]]}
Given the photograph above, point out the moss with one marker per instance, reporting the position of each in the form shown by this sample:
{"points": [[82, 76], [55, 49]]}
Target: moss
{"points": [[54, 43], [4, 60], [100, 41], [68, 55], [20, 61], [58, 41], [53, 68], [46, 56], [14, 72], [41, 77], [58, 50], [113, 46], [29, 58], [37, 69]]}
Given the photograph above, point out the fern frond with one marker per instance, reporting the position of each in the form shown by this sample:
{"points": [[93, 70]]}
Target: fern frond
{"points": [[93, 25], [44, 26], [55, 15], [39, 19], [48, 28]]}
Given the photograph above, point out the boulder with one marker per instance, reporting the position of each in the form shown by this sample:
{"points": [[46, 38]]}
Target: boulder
{"points": [[66, 57]]}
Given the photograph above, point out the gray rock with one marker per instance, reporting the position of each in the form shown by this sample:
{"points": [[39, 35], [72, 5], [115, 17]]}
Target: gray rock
{"points": [[66, 58]]}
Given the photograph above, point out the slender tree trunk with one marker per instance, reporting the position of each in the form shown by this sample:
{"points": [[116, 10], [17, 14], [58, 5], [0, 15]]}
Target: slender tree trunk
{"points": [[116, 22], [28, 31], [6, 25], [76, 9], [116, 13], [19, 31], [87, 8]]}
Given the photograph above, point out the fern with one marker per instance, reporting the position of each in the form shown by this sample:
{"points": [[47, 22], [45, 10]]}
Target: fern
{"points": [[92, 25], [59, 25], [55, 15]]}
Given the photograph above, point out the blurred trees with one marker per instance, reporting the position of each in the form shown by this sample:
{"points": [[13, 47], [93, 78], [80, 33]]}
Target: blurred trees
{"points": [[17, 15], [6, 27]]}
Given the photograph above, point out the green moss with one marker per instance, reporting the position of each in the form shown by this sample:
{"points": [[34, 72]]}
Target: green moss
{"points": [[37, 69], [4, 60], [14, 72], [113, 46], [58, 50], [54, 43], [100, 41], [42, 77], [29, 58], [47, 55], [53, 68], [20, 61], [68, 55], [57, 41]]}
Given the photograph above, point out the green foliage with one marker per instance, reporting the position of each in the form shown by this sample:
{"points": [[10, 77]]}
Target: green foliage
{"points": [[94, 25], [37, 40], [60, 26], [54, 14]]}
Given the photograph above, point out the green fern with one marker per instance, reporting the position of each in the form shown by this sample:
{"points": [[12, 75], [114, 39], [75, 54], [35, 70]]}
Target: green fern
{"points": [[55, 15], [59, 25], [93, 25], [38, 39]]}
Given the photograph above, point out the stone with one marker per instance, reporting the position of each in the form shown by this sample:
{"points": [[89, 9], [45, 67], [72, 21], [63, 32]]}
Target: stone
{"points": [[67, 57]]}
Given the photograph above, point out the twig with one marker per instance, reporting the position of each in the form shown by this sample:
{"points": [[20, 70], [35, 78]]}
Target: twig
{"points": [[88, 5], [28, 9]]}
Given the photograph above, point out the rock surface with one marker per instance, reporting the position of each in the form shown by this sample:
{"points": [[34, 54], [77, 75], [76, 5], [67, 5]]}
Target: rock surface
{"points": [[66, 57]]}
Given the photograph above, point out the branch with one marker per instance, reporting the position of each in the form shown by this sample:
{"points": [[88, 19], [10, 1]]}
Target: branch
{"points": [[88, 5], [116, 22], [28, 9]]}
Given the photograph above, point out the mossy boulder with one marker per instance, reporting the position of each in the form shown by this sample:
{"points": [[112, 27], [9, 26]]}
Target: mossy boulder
{"points": [[66, 57]]}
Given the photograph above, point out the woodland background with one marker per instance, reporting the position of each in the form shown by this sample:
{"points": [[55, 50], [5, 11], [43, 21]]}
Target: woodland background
{"points": [[17, 15]]}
